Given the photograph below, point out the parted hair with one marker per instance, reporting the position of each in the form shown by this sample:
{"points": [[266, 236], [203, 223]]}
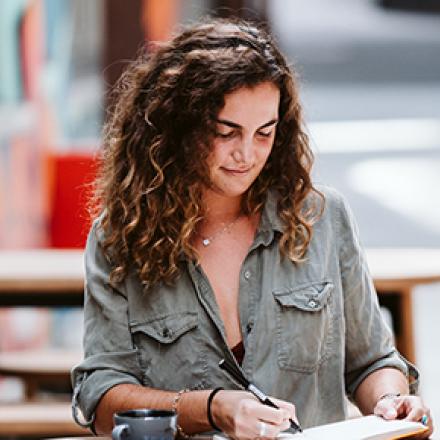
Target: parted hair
{"points": [[159, 134]]}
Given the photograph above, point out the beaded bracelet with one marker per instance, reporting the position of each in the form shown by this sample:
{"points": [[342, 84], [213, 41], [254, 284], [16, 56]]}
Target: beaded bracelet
{"points": [[181, 433]]}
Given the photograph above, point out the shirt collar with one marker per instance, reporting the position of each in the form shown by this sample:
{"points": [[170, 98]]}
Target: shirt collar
{"points": [[270, 220]]}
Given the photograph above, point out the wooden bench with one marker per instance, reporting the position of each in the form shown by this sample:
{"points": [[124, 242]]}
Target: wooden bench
{"points": [[38, 420], [39, 367]]}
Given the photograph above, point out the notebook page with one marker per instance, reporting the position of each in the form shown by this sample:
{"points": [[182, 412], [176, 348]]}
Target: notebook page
{"points": [[362, 428]]}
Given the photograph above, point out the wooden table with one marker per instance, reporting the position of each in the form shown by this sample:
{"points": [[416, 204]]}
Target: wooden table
{"points": [[55, 278], [38, 420], [396, 272], [40, 367]]}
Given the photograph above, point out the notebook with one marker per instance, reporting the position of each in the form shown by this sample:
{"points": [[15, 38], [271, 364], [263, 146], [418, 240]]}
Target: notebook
{"points": [[362, 428]]}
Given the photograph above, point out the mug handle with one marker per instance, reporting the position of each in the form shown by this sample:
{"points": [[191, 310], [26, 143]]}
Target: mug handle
{"points": [[118, 431]]}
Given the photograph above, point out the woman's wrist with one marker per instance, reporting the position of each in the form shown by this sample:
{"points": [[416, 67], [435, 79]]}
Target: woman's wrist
{"points": [[377, 384], [388, 395], [216, 409], [191, 411], [175, 407], [209, 408]]}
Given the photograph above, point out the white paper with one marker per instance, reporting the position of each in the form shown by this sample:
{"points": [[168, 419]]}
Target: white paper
{"points": [[361, 428]]}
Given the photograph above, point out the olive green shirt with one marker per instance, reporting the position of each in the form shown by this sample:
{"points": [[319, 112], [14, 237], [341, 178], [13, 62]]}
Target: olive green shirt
{"points": [[312, 331]]}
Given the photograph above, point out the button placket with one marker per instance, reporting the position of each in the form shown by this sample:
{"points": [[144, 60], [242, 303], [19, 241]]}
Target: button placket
{"points": [[206, 297], [248, 283], [249, 327]]}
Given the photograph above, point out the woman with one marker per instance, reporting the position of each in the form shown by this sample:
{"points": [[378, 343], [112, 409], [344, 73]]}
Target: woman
{"points": [[213, 243]]}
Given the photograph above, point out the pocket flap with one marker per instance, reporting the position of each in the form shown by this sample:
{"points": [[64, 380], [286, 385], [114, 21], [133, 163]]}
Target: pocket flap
{"points": [[310, 298], [166, 329]]}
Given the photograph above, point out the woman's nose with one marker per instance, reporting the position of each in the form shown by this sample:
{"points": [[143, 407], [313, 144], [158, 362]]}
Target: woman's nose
{"points": [[243, 151]]}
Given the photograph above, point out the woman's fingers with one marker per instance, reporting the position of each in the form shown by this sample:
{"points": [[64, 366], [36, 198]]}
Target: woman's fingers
{"points": [[242, 416], [423, 415], [271, 415], [388, 408], [267, 422], [289, 407], [266, 430], [272, 420], [408, 408]]}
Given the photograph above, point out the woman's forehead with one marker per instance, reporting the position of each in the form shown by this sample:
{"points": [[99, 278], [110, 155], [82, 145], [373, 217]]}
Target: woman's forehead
{"points": [[259, 102]]}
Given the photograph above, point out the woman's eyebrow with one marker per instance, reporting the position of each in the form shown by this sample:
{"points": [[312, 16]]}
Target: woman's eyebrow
{"points": [[235, 125]]}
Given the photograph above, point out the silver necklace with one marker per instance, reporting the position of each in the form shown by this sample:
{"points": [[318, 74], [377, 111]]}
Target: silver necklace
{"points": [[206, 241]]}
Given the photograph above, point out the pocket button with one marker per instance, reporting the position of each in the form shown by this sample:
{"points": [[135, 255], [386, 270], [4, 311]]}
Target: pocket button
{"points": [[313, 303], [166, 332]]}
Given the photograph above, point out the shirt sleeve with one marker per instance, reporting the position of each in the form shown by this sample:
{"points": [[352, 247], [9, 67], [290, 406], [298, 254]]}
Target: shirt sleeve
{"points": [[109, 356], [369, 341]]}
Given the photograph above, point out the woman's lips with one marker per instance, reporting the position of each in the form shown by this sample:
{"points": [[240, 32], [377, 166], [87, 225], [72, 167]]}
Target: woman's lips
{"points": [[236, 172]]}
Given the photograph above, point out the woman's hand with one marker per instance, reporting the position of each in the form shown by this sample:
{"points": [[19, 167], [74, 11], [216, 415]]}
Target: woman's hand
{"points": [[241, 416], [405, 407]]}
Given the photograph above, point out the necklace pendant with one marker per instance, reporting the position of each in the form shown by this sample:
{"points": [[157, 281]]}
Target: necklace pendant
{"points": [[206, 242]]}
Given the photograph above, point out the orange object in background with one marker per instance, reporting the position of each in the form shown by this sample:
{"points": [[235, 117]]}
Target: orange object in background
{"points": [[70, 178], [159, 19]]}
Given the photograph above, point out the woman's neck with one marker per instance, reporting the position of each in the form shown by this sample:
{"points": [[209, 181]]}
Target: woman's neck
{"points": [[219, 208]]}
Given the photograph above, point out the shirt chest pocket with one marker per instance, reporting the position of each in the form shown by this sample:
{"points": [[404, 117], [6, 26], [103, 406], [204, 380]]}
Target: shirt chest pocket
{"points": [[304, 326], [170, 351]]}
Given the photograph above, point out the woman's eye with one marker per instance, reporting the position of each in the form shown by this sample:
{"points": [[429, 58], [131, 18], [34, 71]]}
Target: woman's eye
{"points": [[265, 134], [226, 135]]}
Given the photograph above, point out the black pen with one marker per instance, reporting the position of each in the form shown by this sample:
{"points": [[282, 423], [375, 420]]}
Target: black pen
{"points": [[238, 375]]}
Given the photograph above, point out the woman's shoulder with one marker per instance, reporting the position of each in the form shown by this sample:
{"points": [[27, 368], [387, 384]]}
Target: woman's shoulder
{"points": [[332, 203], [96, 232], [96, 249], [330, 193], [327, 197]]}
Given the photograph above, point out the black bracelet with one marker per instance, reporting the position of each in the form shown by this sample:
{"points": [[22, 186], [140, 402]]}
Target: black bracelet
{"points": [[211, 396]]}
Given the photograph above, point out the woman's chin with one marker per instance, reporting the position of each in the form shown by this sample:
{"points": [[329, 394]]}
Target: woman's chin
{"points": [[232, 192], [231, 189]]}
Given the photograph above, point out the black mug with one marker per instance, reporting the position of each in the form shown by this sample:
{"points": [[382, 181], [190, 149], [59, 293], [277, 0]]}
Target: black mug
{"points": [[145, 424]]}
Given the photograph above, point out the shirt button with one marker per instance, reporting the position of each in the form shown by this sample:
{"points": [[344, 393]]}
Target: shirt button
{"points": [[247, 274], [165, 332], [313, 303], [249, 327]]}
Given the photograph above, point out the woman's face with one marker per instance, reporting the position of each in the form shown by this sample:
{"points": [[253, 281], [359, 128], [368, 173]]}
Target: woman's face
{"points": [[245, 134]]}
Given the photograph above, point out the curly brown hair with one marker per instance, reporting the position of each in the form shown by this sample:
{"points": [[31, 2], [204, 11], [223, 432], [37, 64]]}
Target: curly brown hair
{"points": [[160, 133]]}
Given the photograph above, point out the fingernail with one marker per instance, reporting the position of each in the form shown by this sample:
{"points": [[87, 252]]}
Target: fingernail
{"points": [[391, 413]]}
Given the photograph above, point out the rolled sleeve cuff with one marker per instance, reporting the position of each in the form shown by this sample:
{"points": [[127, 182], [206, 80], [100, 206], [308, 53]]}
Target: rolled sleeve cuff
{"points": [[98, 374], [393, 360]]}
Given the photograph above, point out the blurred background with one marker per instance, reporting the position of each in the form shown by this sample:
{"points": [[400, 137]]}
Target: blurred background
{"points": [[370, 80]]}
